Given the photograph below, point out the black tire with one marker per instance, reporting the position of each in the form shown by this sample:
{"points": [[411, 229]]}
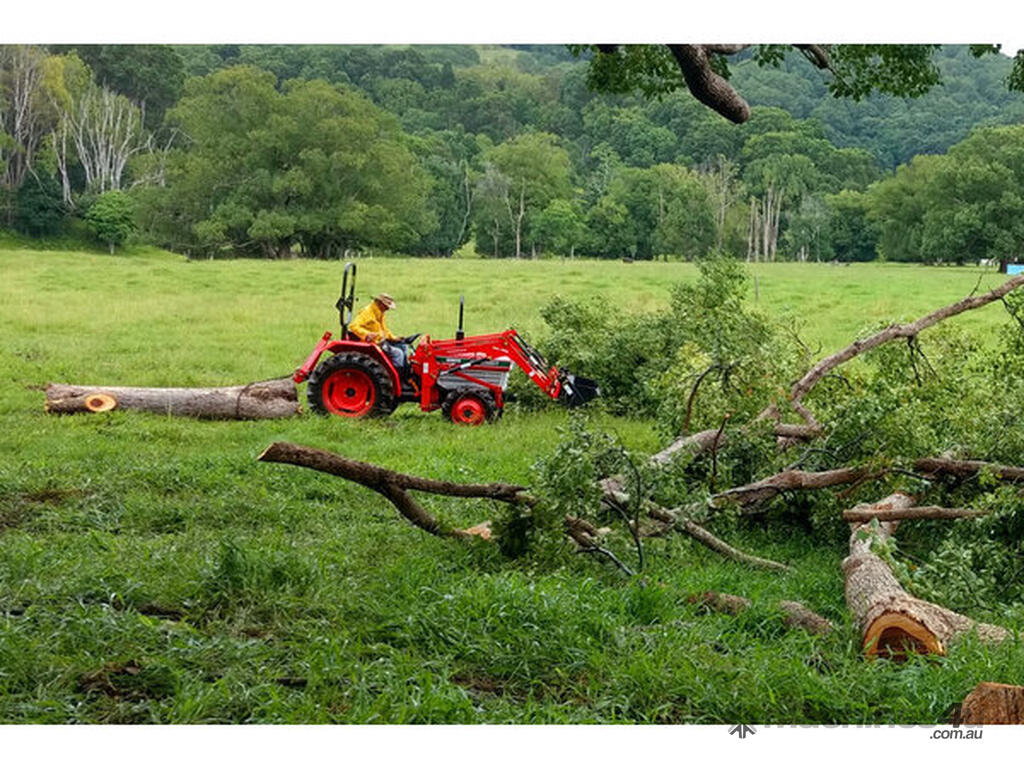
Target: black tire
{"points": [[483, 397], [384, 401]]}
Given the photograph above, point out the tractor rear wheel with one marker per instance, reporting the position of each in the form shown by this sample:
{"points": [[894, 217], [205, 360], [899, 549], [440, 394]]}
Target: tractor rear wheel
{"points": [[352, 385], [470, 407]]}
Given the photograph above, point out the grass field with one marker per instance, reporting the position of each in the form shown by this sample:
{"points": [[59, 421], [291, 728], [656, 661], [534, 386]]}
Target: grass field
{"points": [[152, 571]]}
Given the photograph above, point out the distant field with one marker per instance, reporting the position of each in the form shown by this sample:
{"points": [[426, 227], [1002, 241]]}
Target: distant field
{"points": [[242, 592]]}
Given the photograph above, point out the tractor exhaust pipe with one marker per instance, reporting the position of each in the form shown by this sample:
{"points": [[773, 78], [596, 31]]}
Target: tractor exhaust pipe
{"points": [[459, 333]]}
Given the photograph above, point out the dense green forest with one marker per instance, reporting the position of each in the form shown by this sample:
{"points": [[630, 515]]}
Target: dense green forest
{"points": [[277, 151]]}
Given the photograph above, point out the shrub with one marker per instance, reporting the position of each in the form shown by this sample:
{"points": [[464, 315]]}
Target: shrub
{"points": [[111, 218]]}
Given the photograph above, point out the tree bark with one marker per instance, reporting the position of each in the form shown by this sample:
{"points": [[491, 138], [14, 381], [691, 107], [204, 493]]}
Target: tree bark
{"points": [[274, 399], [707, 86], [865, 514], [891, 620], [790, 480], [993, 704]]}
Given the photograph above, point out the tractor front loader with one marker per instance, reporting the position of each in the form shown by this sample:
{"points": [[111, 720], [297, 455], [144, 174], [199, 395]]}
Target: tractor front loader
{"points": [[464, 377]]}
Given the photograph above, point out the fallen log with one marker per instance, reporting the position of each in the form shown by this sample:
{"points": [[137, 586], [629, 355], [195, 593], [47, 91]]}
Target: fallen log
{"points": [[939, 467], [794, 614], [867, 513], [891, 620], [790, 480], [993, 704], [274, 399]]}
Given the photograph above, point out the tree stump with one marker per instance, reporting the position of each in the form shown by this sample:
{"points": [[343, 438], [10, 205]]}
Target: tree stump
{"points": [[993, 704], [894, 622]]}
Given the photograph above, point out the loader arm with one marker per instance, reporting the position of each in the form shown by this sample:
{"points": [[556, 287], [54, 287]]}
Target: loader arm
{"points": [[554, 382]]}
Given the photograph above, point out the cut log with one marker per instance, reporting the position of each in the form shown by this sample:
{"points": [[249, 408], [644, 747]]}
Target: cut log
{"points": [[274, 399], [993, 704], [95, 402], [794, 614], [892, 621]]}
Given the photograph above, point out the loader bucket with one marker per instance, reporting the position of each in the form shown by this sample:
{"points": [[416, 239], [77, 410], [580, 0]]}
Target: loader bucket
{"points": [[578, 390]]}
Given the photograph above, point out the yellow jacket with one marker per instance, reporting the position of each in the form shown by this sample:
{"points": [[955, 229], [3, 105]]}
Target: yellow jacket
{"points": [[371, 320]]}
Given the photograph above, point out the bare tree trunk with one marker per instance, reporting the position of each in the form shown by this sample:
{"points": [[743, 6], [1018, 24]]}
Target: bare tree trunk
{"points": [[106, 131], [21, 73], [274, 399]]}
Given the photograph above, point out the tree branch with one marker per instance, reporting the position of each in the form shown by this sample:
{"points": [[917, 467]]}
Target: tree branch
{"points": [[706, 85], [867, 513]]}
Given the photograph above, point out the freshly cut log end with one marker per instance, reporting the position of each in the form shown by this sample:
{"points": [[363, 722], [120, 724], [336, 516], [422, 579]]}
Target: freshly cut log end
{"points": [[100, 402], [894, 636], [93, 402], [893, 622], [993, 704]]}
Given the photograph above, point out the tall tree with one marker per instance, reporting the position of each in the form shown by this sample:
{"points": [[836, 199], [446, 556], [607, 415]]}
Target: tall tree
{"points": [[26, 116], [313, 166]]}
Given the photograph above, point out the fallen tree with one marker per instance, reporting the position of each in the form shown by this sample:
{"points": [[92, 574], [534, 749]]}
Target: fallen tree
{"points": [[892, 622], [273, 399], [706, 440]]}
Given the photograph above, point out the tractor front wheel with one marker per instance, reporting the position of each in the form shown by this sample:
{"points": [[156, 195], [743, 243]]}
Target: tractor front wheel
{"points": [[352, 385], [470, 407]]}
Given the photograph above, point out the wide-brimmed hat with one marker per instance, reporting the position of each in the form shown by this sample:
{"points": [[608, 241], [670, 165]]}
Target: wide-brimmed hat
{"points": [[386, 300]]}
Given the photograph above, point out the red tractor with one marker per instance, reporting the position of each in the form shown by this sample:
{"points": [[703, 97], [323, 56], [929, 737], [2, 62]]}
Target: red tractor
{"points": [[465, 377]]}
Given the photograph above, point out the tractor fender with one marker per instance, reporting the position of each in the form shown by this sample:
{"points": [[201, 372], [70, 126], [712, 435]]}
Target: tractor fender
{"points": [[374, 351], [334, 346]]}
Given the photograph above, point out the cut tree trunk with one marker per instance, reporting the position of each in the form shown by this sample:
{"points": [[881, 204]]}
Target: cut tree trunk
{"points": [[993, 704], [892, 621], [274, 399]]}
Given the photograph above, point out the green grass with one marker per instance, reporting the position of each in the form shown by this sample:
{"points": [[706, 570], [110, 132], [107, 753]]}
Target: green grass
{"points": [[152, 571]]}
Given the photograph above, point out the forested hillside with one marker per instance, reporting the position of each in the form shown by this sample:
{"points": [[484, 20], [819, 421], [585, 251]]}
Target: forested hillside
{"points": [[278, 151]]}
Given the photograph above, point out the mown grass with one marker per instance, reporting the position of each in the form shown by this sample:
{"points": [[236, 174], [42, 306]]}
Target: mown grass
{"points": [[152, 571]]}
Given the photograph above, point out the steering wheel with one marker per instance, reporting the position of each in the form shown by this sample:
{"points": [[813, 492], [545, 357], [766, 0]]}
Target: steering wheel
{"points": [[411, 338]]}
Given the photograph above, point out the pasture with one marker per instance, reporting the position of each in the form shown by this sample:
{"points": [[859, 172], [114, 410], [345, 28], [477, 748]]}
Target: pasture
{"points": [[152, 571]]}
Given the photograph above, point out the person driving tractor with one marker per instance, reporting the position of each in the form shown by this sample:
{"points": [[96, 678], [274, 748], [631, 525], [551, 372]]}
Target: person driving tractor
{"points": [[369, 325]]}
